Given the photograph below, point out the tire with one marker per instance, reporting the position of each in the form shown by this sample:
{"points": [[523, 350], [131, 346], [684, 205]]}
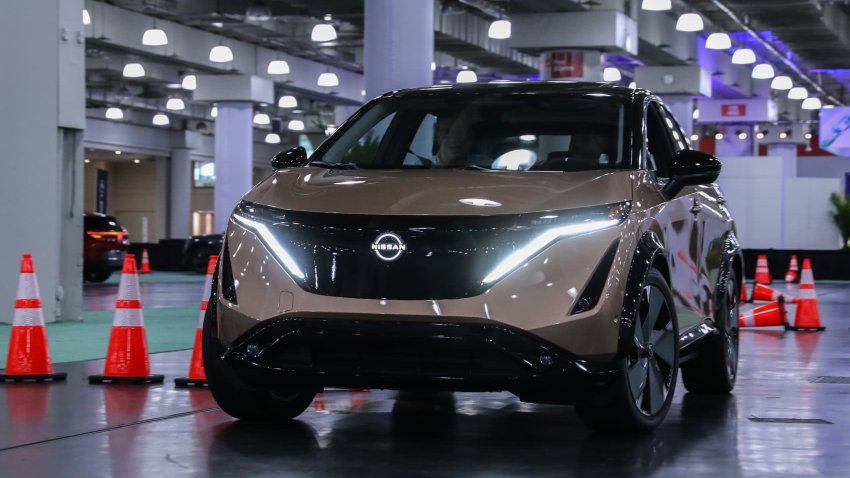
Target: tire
{"points": [[715, 369], [652, 365], [236, 400], [97, 275]]}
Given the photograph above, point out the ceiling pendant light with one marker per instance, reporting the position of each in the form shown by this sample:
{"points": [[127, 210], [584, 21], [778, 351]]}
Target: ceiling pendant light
{"points": [[133, 70], [273, 138], [718, 41], [278, 67], [690, 22], [190, 82], [262, 119], [500, 30], [114, 113], [296, 125], [213, 111], [258, 12], [323, 32], [798, 93], [287, 101], [633, 85], [221, 54], [175, 104], [154, 37], [656, 5], [763, 71], [743, 56], [86, 17], [611, 74], [328, 79], [160, 119], [781, 82], [812, 103], [466, 76]]}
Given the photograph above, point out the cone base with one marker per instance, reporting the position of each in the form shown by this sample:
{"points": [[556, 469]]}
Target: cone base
{"points": [[126, 379], [813, 329], [184, 382], [32, 377]]}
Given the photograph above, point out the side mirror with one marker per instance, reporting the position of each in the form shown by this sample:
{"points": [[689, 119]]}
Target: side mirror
{"points": [[291, 158], [690, 168]]}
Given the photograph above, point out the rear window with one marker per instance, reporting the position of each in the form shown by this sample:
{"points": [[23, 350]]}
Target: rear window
{"points": [[508, 131], [101, 223]]}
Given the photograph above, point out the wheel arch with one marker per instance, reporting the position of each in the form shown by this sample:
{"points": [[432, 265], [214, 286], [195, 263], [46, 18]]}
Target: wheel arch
{"points": [[649, 253]]}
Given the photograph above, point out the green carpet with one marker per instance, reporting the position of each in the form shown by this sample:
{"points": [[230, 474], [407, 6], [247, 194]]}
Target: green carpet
{"points": [[167, 329], [157, 277]]}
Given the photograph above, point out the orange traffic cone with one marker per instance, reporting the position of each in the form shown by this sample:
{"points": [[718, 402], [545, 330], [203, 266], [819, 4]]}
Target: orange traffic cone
{"points": [[762, 271], [127, 356], [744, 291], [792, 276], [807, 316], [763, 293], [197, 376], [146, 262], [29, 357], [767, 315]]}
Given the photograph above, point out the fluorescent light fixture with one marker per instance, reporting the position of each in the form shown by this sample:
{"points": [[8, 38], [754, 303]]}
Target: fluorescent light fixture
{"points": [[781, 82], [323, 32], [175, 104], [133, 70], [523, 254], [743, 56], [190, 82], [296, 125], [114, 113], [812, 103], [328, 79], [273, 138], [466, 76], [611, 74], [656, 5], [718, 41], [221, 54], [214, 111], [160, 119], [763, 71], [500, 30], [278, 67], [265, 235], [86, 17], [262, 118], [287, 101], [690, 22], [798, 93], [154, 37]]}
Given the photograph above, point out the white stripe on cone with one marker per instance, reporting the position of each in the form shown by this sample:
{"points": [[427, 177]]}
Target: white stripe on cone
{"points": [[28, 289]]}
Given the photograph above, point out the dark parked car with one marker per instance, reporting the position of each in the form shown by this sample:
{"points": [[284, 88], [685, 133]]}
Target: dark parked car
{"points": [[104, 246], [561, 241], [198, 249]]}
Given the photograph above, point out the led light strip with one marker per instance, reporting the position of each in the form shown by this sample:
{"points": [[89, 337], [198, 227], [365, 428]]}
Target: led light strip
{"points": [[270, 241]]}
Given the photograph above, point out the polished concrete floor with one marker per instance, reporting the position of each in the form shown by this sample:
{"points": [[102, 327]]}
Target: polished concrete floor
{"points": [[75, 429]]}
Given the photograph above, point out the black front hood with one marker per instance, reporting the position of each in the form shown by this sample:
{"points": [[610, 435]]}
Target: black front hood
{"points": [[402, 257]]}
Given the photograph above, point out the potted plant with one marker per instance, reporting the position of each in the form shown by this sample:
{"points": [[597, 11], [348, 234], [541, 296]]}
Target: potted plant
{"points": [[841, 217]]}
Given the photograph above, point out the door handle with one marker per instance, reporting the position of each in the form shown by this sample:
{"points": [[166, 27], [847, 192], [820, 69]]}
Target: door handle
{"points": [[697, 207]]}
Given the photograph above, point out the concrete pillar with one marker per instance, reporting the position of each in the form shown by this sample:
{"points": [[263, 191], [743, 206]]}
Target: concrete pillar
{"points": [[234, 153], [41, 153], [180, 193], [682, 107], [162, 200], [788, 153], [576, 65], [398, 45]]}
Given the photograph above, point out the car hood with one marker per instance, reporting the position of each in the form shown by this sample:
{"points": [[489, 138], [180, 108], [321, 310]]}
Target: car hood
{"points": [[438, 192]]}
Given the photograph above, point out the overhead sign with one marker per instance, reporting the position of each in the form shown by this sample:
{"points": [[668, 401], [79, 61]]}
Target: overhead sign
{"points": [[564, 65], [835, 130], [757, 110]]}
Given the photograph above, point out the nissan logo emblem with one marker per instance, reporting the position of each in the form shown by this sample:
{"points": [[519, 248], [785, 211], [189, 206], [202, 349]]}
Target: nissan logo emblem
{"points": [[388, 246]]}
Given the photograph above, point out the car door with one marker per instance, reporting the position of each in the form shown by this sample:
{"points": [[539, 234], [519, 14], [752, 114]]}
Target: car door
{"points": [[678, 219]]}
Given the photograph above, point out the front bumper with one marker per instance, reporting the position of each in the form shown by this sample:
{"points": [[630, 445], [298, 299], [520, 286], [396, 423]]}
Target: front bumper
{"points": [[400, 354]]}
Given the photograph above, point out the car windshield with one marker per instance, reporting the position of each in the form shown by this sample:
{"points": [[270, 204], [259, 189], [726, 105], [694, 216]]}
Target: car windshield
{"points": [[514, 132]]}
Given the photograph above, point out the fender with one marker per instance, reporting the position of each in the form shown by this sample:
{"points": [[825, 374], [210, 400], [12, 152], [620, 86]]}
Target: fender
{"points": [[648, 248]]}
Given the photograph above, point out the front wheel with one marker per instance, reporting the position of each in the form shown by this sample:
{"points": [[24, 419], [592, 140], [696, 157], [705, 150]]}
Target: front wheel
{"points": [[644, 388]]}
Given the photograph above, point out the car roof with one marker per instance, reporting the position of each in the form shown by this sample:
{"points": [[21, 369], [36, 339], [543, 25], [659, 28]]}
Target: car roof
{"points": [[526, 87]]}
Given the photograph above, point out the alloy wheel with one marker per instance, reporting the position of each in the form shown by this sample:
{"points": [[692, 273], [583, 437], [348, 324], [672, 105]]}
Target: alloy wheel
{"points": [[651, 362]]}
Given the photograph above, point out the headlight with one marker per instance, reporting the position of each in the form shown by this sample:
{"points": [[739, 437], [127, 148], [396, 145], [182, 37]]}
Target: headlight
{"points": [[579, 221], [257, 220]]}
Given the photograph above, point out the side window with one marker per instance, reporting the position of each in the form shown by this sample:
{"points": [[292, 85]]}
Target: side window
{"points": [[658, 142], [680, 142]]}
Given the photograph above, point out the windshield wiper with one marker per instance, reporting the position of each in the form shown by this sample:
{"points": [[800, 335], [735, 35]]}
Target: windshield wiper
{"points": [[323, 164]]}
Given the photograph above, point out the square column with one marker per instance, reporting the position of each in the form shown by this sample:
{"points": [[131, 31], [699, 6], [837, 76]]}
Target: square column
{"points": [[180, 193], [234, 153]]}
